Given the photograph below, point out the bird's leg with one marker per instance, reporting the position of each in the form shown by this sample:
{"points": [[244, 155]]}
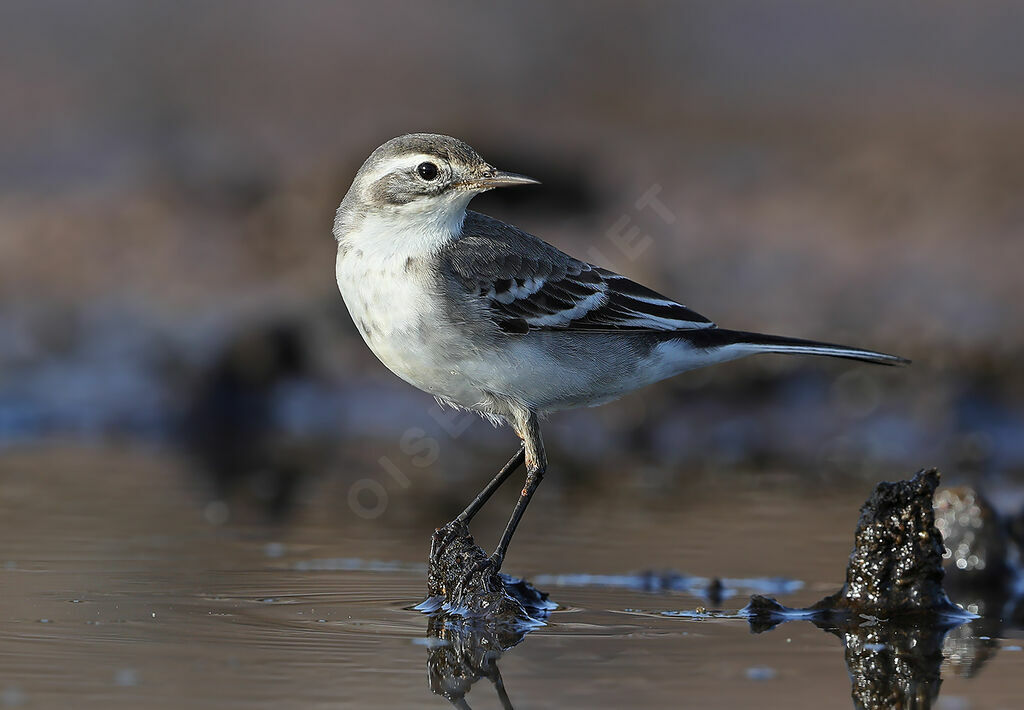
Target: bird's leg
{"points": [[443, 535], [483, 496], [536, 465]]}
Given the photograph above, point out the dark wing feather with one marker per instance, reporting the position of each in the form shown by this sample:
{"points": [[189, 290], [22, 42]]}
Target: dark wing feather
{"points": [[528, 284]]}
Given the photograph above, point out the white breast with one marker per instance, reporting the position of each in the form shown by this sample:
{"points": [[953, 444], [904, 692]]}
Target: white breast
{"points": [[384, 274], [397, 314], [385, 300]]}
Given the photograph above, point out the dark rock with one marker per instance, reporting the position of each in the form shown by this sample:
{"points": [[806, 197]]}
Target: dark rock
{"points": [[763, 606], [764, 613], [895, 568], [895, 571]]}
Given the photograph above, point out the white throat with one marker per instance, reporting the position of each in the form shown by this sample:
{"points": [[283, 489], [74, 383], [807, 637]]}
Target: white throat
{"points": [[408, 231]]}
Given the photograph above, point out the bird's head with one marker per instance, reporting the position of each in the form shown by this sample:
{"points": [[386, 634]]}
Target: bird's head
{"points": [[420, 182]]}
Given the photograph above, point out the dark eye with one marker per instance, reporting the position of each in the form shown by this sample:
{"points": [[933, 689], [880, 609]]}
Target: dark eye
{"points": [[427, 171]]}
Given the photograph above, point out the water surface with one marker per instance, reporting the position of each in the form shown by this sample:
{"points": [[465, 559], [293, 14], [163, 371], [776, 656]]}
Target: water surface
{"points": [[118, 592]]}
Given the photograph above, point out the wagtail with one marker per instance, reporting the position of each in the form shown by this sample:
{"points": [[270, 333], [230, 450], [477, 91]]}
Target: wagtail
{"points": [[488, 318]]}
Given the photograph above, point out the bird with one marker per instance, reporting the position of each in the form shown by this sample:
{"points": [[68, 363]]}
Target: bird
{"points": [[488, 318]]}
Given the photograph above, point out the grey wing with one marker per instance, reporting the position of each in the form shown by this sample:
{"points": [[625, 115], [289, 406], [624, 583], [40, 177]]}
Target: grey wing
{"points": [[528, 284]]}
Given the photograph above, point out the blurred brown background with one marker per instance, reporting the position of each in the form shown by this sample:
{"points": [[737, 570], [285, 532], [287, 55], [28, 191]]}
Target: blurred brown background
{"points": [[853, 172], [211, 493]]}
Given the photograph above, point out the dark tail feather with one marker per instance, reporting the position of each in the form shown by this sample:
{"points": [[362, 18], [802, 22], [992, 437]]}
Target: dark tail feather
{"points": [[711, 338]]}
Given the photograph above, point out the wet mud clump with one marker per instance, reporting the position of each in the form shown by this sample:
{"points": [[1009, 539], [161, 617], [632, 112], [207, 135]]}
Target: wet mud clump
{"points": [[476, 614], [460, 581], [896, 565], [892, 613], [895, 569]]}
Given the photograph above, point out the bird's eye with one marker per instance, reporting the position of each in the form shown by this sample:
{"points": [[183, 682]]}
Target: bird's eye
{"points": [[427, 171]]}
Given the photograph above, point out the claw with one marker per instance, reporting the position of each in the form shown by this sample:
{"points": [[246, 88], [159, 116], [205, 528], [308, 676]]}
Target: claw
{"points": [[443, 535], [491, 565], [476, 568]]}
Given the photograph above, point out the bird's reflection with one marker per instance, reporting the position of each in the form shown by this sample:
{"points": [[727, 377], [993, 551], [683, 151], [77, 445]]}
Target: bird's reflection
{"points": [[476, 614], [463, 651]]}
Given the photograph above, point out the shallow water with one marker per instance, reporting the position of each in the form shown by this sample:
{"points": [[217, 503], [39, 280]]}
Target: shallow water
{"points": [[117, 592]]}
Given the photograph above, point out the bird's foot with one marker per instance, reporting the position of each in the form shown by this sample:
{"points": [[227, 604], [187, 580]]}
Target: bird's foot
{"points": [[485, 567], [444, 535]]}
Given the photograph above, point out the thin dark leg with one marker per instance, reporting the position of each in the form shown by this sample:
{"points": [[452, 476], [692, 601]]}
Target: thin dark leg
{"points": [[483, 496], [444, 534], [536, 465]]}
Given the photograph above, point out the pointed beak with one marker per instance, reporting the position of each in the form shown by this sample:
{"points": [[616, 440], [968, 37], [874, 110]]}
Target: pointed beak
{"points": [[497, 178]]}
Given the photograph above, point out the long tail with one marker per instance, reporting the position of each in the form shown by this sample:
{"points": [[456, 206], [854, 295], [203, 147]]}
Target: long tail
{"points": [[742, 343]]}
